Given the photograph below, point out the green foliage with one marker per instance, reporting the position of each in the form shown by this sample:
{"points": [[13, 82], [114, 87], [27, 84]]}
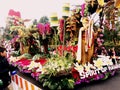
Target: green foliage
{"points": [[26, 55], [112, 36], [57, 83], [58, 65], [106, 75], [56, 73], [35, 22], [44, 20], [36, 57], [109, 44], [15, 53]]}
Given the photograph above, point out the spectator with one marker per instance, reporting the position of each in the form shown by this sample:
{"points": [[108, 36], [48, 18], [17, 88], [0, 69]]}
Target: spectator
{"points": [[5, 68]]}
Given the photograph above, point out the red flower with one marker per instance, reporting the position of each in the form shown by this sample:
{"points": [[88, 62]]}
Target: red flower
{"points": [[61, 22], [42, 61], [60, 50], [23, 62], [74, 48], [68, 48], [75, 74]]}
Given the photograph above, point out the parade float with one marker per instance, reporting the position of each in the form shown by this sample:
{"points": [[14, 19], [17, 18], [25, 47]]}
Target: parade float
{"points": [[65, 52]]}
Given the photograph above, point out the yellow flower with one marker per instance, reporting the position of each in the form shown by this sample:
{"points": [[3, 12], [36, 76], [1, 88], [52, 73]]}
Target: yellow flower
{"points": [[101, 2], [98, 63], [21, 33]]}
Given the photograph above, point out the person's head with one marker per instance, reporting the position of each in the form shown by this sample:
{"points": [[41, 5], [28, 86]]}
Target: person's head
{"points": [[3, 52]]}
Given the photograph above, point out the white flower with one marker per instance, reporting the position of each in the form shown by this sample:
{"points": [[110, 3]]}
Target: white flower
{"points": [[39, 69], [79, 68], [33, 64], [13, 59], [89, 66], [106, 60]]}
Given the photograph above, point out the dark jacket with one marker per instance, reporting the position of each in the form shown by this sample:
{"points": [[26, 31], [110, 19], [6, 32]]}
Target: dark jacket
{"points": [[5, 68]]}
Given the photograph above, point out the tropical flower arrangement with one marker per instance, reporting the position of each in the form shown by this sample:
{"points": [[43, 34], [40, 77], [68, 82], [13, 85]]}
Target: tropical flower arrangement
{"points": [[59, 72], [62, 73]]}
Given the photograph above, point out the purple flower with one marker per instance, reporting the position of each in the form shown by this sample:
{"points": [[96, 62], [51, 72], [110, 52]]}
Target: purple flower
{"points": [[101, 76], [86, 80], [97, 77], [78, 82], [112, 73]]}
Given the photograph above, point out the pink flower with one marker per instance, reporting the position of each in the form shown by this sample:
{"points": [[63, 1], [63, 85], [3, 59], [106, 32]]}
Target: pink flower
{"points": [[101, 35], [98, 40], [47, 28], [14, 39], [102, 40], [41, 28], [82, 9], [14, 13]]}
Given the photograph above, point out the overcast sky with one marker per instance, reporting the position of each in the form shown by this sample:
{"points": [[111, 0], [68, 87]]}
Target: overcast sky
{"points": [[31, 9]]}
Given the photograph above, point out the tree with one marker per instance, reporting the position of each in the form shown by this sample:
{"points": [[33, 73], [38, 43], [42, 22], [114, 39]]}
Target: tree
{"points": [[44, 20], [35, 22]]}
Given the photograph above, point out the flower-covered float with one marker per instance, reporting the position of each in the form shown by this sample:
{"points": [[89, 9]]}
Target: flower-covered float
{"points": [[71, 53]]}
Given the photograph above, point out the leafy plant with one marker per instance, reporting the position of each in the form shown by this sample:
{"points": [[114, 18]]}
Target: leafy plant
{"points": [[55, 83], [57, 65], [56, 73]]}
